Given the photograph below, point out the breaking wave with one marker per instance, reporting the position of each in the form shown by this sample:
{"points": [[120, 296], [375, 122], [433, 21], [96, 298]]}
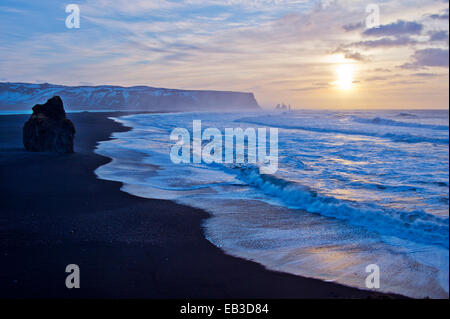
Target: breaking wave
{"points": [[418, 225], [405, 138], [388, 122]]}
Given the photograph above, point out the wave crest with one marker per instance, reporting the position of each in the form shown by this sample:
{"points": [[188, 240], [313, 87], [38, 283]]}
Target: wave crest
{"points": [[417, 225], [388, 122], [405, 138]]}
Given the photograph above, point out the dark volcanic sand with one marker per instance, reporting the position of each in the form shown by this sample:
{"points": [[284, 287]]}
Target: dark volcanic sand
{"points": [[55, 212]]}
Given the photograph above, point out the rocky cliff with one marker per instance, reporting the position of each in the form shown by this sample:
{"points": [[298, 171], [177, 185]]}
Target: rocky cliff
{"points": [[18, 96]]}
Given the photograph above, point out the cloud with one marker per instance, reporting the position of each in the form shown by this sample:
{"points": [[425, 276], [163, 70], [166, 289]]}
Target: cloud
{"points": [[431, 57], [438, 35], [443, 15], [426, 75], [405, 82], [12, 10], [355, 56], [376, 78], [350, 54], [385, 42], [382, 70], [127, 8], [394, 29], [353, 26], [312, 88]]}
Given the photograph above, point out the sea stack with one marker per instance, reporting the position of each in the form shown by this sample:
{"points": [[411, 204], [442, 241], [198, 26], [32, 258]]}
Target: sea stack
{"points": [[48, 129]]}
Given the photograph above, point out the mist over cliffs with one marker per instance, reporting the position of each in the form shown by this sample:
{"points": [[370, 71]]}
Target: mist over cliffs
{"points": [[21, 96]]}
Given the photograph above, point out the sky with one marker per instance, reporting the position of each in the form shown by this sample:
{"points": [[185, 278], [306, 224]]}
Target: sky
{"points": [[332, 54]]}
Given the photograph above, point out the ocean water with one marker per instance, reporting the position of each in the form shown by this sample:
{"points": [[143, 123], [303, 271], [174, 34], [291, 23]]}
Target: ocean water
{"points": [[352, 188]]}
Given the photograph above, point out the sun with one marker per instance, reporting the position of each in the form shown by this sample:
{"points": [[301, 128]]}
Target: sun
{"points": [[345, 76]]}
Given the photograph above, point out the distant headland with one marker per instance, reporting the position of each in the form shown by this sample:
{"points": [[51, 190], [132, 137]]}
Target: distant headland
{"points": [[19, 96]]}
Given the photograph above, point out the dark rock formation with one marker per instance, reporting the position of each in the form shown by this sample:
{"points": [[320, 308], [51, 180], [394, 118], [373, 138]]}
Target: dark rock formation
{"points": [[48, 129]]}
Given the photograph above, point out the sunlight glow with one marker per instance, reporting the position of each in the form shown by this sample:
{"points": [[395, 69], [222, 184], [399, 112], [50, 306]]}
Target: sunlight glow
{"points": [[345, 76]]}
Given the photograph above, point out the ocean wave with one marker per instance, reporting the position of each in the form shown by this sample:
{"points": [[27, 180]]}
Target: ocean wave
{"points": [[388, 122], [406, 114], [404, 138], [378, 186], [416, 226]]}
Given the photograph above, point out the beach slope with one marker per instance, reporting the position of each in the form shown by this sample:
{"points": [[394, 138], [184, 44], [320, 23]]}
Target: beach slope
{"points": [[55, 212]]}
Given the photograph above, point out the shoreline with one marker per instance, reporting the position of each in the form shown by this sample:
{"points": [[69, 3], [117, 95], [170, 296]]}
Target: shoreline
{"points": [[57, 212]]}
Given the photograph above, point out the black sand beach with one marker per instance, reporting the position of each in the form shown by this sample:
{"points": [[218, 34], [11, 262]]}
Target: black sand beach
{"points": [[55, 212]]}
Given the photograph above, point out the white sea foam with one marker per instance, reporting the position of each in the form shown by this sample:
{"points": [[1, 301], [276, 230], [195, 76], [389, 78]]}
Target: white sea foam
{"points": [[338, 202]]}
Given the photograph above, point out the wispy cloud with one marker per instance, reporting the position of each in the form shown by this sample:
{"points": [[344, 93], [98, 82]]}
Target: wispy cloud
{"points": [[425, 74], [443, 15], [7, 9], [353, 26], [431, 57], [440, 35], [384, 43], [398, 28]]}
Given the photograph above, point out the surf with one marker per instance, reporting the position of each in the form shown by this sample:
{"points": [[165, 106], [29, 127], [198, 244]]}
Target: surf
{"points": [[337, 202]]}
